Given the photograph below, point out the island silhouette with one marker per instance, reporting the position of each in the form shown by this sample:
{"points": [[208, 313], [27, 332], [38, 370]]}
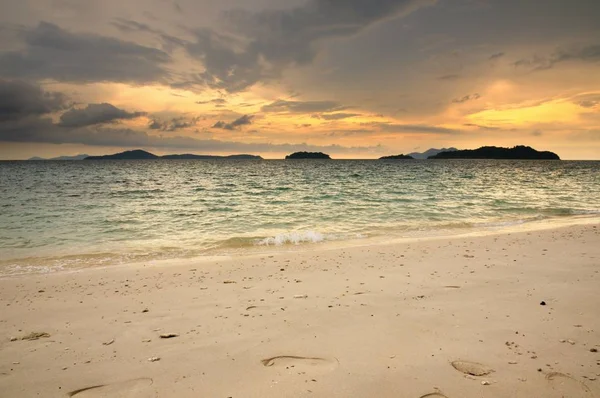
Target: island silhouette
{"points": [[430, 152], [308, 155], [519, 152], [75, 157], [397, 157], [139, 154]]}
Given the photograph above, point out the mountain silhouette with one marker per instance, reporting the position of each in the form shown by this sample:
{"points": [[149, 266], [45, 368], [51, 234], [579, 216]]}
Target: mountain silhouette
{"points": [[308, 155], [209, 157], [493, 152], [397, 157], [76, 157], [139, 154], [127, 155], [430, 152]]}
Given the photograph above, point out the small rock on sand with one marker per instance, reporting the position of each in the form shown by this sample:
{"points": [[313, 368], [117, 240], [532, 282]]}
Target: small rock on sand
{"points": [[153, 359], [300, 296], [168, 335]]}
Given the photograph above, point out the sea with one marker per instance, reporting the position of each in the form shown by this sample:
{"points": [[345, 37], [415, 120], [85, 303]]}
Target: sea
{"points": [[70, 215]]}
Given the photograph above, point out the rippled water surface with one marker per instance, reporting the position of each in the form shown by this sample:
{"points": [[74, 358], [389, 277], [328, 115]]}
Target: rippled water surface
{"points": [[84, 213]]}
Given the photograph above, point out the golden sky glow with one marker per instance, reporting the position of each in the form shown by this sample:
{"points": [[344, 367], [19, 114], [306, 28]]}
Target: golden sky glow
{"points": [[406, 76]]}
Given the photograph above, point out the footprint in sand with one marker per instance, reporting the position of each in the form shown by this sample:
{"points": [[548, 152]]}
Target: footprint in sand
{"points": [[471, 368], [303, 363], [567, 386], [434, 395], [137, 388]]}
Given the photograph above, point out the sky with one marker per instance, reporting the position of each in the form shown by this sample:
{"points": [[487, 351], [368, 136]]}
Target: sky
{"points": [[352, 78]]}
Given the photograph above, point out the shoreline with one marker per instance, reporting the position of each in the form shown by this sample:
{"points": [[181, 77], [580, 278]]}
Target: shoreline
{"points": [[384, 320], [484, 229]]}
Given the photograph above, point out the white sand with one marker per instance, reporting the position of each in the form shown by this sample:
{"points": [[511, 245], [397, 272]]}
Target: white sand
{"points": [[376, 321]]}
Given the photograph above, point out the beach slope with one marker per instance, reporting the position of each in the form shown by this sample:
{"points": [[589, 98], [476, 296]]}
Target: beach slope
{"points": [[510, 315]]}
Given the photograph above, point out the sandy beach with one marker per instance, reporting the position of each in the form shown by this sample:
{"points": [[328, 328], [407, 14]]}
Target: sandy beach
{"points": [[506, 315]]}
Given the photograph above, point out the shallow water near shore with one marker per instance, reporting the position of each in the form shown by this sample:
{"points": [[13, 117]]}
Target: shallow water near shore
{"points": [[65, 215]]}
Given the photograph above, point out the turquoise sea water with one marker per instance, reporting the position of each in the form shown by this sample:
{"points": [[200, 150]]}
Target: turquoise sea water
{"points": [[61, 215]]}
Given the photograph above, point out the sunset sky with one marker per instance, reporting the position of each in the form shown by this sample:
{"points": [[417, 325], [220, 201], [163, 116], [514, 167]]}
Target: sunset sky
{"points": [[353, 78]]}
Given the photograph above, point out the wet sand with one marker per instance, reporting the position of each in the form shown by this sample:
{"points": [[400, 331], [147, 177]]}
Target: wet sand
{"points": [[448, 317]]}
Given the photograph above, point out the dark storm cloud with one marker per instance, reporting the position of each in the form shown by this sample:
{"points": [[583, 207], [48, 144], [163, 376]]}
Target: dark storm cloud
{"points": [[275, 39], [43, 131], [19, 99], [127, 26], [258, 47], [174, 124], [51, 52], [96, 114], [303, 106], [242, 121], [22, 119], [466, 98], [157, 125], [226, 66], [537, 63]]}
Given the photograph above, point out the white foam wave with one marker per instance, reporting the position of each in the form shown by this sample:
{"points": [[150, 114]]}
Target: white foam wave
{"points": [[501, 224], [16, 269], [293, 238]]}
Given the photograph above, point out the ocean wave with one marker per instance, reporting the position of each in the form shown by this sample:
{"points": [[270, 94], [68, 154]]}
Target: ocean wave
{"points": [[294, 238], [547, 214], [508, 223], [18, 269], [572, 212]]}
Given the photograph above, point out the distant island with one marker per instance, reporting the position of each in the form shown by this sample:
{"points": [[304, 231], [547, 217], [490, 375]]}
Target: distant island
{"points": [[76, 157], [308, 155], [430, 152], [209, 157], [520, 152], [139, 154], [397, 157]]}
